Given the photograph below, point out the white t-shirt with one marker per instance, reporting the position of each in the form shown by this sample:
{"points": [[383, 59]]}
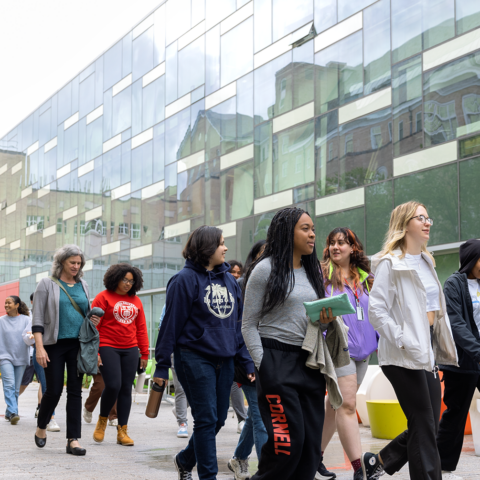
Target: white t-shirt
{"points": [[418, 263], [474, 288]]}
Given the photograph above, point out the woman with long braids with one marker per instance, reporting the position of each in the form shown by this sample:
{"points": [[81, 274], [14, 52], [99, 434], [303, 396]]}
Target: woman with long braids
{"points": [[290, 395], [14, 352], [346, 269]]}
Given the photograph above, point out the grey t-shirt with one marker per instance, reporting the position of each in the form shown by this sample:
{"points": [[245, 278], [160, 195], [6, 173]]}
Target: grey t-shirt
{"points": [[287, 323]]}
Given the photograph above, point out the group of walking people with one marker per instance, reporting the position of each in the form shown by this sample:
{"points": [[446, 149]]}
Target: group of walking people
{"points": [[225, 323]]}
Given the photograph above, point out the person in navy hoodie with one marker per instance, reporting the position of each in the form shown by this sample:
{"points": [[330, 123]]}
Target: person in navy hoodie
{"points": [[202, 327]]}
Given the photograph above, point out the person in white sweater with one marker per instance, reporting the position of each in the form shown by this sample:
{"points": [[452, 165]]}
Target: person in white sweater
{"points": [[14, 352]]}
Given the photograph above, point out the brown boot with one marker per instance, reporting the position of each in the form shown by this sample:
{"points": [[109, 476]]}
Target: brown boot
{"points": [[122, 437], [99, 432]]}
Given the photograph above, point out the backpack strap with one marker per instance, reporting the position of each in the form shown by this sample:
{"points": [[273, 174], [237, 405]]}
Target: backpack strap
{"points": [[74, 303]]}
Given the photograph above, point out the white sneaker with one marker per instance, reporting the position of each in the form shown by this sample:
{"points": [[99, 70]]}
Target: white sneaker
{"points": [[240, 426], [450, 476], [113, 423], [87, 416], [239, 468], [53, 426], [182, 431]]}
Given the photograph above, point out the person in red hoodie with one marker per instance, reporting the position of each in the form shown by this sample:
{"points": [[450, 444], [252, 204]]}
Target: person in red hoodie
{"points": [[123, 331]]}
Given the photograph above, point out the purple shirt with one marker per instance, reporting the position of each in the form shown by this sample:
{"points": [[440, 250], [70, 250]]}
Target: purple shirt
{"points": [[362, 338]]}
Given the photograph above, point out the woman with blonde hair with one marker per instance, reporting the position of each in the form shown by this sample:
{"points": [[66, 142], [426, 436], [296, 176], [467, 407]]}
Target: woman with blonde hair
{"points": [[407, 308]]}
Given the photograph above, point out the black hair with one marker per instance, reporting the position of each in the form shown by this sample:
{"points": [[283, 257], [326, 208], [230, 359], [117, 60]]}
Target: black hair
{"points": [[117, 272], [279, 248], [202, 244], [235, 263], [31, 297], [22, 308], [253, 254]]}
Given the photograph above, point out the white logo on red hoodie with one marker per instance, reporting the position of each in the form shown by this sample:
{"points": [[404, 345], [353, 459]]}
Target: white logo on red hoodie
{"points": [[125, 312]]}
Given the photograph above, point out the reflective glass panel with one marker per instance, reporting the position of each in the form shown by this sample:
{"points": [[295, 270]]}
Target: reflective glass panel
{"points": [[469, 146], [237, 192], [111, 171], [191, 66], [177, 131], [137, 104], [154, 102], [44, 127], [112, 66], [303, 73], [349, 7], [126, 163], [273, 88], [87, 96], [293, 157], [263, 160], [143, 54], [127, 54], [217, 10], [159, 153], [197, 122], [70, 148], [442, 203], [339, 78], [213, 199], [326, 150], [94, 139], [107, 114], [212, 61], [325, 14], [178, 18], [438, 21], [469, 198], [449, 104], [365, 153], [245, 110], [122, 111], [190, 192], [64, 103], [406, 28], [221, 129], [468, 15], [378, 207], [99, 82], [376, 47], [171, 73], [407, 129], [142, 166], [262, 17], [237, 52], [287, 19], [352, 219]]}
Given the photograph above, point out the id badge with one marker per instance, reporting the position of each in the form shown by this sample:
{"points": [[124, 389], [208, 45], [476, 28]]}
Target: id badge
{"points": [[360, 313]]}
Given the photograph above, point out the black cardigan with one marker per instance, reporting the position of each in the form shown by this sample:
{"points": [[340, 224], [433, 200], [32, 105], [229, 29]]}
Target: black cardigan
{"points": [[464, 328]]}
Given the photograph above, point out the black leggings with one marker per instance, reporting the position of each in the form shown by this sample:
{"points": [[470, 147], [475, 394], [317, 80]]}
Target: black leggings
{"points": [[118, 372]]}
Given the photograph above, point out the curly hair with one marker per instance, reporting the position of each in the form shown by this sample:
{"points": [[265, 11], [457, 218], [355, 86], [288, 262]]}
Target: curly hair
{"points": [[22, 308], [61, 255], [117, 272]]}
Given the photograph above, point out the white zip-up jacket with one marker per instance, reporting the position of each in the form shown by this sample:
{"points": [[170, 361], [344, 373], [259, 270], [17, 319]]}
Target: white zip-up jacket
{"points": [[398, 312]]}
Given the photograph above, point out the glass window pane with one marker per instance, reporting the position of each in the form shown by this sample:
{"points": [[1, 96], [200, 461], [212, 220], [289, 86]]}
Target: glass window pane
{"points": [[142, 166], [212, 45], [237, 52], [126, 161], [217, 10], [245, 110], [407, 129], [303, 74], [445, 107], [273, 88], [293, 156], [445, 265], [99, 82], [191, 66], [137, 91], [378, 207], [365, 153], [107, 115], [406, 28], [352, 219], [442, 203], [112, 66], [469, 199], [237, 192], [190, 193], [376, 53], [263, 160], [212, 188], [469, 146], [339, 73], [122, 111], [177, 129], [325, 14], [143, 54], [438, 21], [349, 7], [159, 35], [64, 103], [262, 16], [326, 150], [127, 54], [87, 95], [171, 73], [94, 139], [197, 122], [111, 173], [44, 127], [287, 19], [178, 19], [154, 102], [159, 153], [70, 147], [221, 129], [468, 15]]}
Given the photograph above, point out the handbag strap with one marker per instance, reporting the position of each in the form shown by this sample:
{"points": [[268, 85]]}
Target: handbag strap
{"points": [[74, 303]]}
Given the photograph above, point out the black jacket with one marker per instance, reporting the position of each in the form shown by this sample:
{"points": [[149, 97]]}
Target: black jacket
{"points": [[464, 328]]}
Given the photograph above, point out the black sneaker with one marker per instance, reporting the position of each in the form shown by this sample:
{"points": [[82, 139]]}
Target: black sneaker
{"points": [[371, 466], [358, 475], [324, 473], [182, 473], [14, 419], [7, 417]]}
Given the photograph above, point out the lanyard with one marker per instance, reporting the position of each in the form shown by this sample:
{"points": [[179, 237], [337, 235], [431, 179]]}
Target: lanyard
{"points": [[354, 290]]}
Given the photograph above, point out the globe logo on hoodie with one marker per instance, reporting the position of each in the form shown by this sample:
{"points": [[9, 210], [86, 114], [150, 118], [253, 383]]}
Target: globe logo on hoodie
{"points": [[219, 300], [125, 312]]}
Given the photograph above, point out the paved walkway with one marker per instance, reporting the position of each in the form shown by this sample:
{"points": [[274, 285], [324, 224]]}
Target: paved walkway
{"points": [[151, 457]]}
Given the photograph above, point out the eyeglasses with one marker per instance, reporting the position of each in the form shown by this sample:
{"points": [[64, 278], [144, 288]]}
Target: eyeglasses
{"points": [[424, 219], [128, 282]]}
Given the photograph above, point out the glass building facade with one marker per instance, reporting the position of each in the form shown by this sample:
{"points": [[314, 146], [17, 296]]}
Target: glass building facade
{"points": [[221, 112]]}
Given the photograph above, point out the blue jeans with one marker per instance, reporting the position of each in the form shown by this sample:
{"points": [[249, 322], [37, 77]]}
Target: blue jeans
{"points": [[254, 431], [40, 373], [207, 382], [11, 380]]}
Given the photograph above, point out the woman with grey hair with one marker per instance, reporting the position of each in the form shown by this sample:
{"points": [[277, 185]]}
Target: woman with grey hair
{"points": [[60, 304]]}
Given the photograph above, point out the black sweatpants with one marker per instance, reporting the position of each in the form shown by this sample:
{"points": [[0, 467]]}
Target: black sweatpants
{"points": [[291, 399], [64, 352], [419, 394], [459, 390], [118, 372]]}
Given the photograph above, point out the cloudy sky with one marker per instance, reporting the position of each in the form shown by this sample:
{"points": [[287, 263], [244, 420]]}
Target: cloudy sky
{"points": [[45, 43]]}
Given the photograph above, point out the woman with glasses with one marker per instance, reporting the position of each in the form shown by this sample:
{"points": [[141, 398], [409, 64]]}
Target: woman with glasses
{"points": [[407, 308], [123, 331]]}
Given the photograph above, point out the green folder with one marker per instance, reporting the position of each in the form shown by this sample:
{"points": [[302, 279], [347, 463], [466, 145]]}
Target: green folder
{"points": [[340, 305]]}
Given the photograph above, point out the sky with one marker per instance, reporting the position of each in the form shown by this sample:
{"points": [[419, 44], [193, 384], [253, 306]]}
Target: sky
{"points": [[46, 43]]}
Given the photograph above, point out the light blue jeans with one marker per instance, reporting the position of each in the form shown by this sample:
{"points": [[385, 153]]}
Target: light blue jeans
{"points": [[254, 431], [11, 381]]}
